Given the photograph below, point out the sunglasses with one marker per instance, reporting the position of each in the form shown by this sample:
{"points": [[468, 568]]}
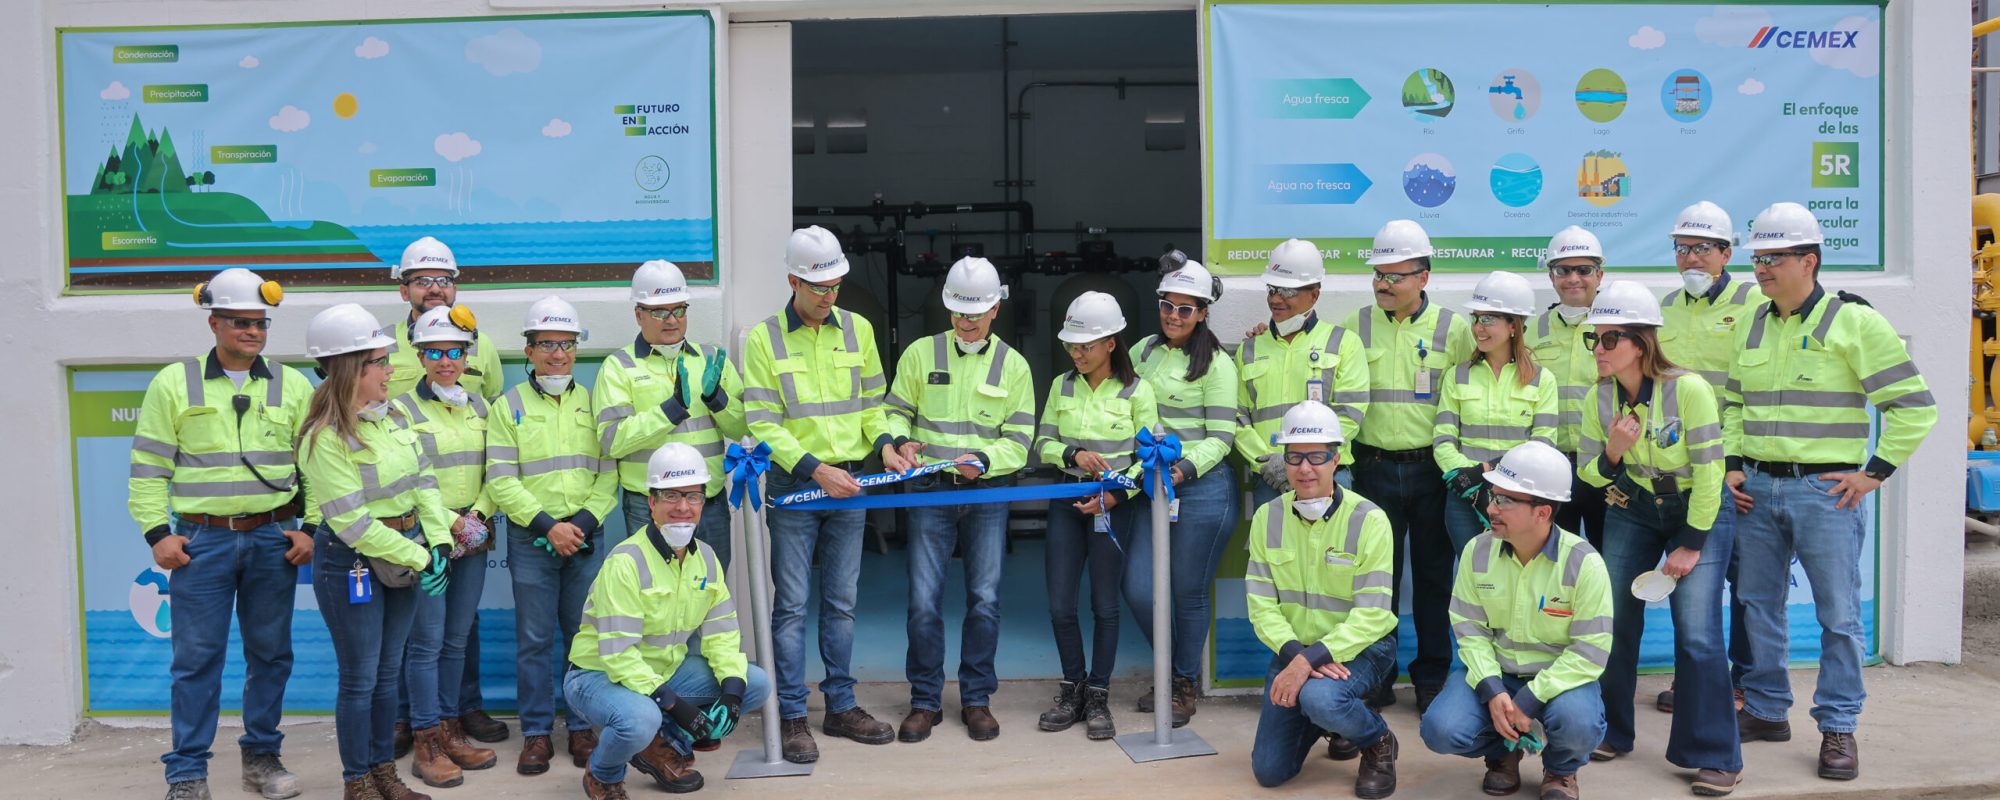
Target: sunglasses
{"points": [[1701, 249], [663, 314], [1772, 259], [969, 317], [1608, 339], [1313, 457], [1501, 502], [246, 323], [432, 282], [1079, 349], [382, 362], [1169, 308], [1287, 292], [442, 353], [688, 497], [820, 291], [1393, 278], [1585, 270], [1488, 320], [552, 345]]}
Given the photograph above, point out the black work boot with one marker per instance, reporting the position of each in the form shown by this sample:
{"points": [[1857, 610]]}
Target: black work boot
{"points": [[1097, 713], [1067, 710], [1377, 776]]}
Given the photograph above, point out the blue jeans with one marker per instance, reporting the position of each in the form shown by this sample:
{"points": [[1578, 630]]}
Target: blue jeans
{"points": [[1795, 516], [1412, 494], [627, 721], [796, 537], [1074, 546], [1286, 736], [1636, 536], [228, 570], [1461, 523], [1208, 517], [368, 640], [1583, 515], [435, 669], [712, 531], [549, 591], [1457, 724], [934, 532]]}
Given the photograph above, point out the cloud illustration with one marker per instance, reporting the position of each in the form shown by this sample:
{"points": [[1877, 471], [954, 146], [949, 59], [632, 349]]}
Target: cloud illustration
{"points": [[248, 62], [1648, 38], [290, 119], [1750, 86], [556, 129], [367, 148], [456, 146], [505, 53], [116, 91], [372, 47]]}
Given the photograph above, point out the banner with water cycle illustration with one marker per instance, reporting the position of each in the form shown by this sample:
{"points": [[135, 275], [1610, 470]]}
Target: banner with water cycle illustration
{"points": [[1496, 124], [543, 149]]}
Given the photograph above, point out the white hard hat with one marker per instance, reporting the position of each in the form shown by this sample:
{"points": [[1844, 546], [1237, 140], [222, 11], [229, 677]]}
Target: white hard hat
{"points": [[675, 465], [1533, 468], [238, 289], [1704, 220], [345, 328], [973, 286], [1505, 293], [1309, 422], [1398, 241], [553, 313], [1625, 303], [1191, 279], [1573, 242], [659, 283], [1295, 264], [1784, 225], [813, 254], [445, 324], [1092, 316], [425, 253]]}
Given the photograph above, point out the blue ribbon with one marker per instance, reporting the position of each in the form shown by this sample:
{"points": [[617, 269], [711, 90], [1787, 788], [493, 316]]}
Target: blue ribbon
{"points": [[1157, 455], [816, 499], [879, 479], [744, 467]]}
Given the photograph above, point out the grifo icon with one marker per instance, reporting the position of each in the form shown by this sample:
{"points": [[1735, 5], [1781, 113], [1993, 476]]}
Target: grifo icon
{"points": [[1515, 95], [1427, 95]]}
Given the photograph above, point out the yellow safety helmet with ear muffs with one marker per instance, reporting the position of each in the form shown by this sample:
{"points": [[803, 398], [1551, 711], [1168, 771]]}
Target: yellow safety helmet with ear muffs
{"points": [[445, 324], [238, 289]]}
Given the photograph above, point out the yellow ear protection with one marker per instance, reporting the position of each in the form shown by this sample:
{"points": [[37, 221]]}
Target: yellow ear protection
{"points": [[463, 318], [201, 297], [272, 292]]}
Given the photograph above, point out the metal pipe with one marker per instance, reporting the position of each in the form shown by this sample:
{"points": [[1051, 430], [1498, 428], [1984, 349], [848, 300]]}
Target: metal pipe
{"points": [[1163, 629], [1986, 529], [758, 554]]}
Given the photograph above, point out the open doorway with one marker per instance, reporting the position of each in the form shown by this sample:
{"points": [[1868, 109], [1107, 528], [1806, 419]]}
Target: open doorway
{"points": [[1064, 148]]}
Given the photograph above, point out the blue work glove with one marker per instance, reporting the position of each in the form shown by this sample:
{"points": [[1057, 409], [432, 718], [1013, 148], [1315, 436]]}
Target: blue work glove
{"points": [[1465, 482], [436, 577], [723, 715]]}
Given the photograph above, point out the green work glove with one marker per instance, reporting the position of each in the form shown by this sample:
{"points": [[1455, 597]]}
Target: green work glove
{"points": [[681, 383], [437, 576], [711, 373]]}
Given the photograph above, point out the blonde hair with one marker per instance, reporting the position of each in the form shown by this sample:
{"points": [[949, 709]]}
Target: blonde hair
{"points": [[332, 403], [1517, 347]]}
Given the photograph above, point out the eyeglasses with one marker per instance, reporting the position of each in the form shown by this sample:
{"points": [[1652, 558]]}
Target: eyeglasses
{"points": [[1393, 278], [442, 353], [1608, 339], [672, 498], [246, 323], [969, 317], [1501, 502], [1488, 320], [552, 345], [819, 290], [1313, 457], [1584, 270], [1287, 292], [1698, 249], [382, 362], [1168, 307], [1771, 259], [1079, 349], [432, 281], [671, 312]]}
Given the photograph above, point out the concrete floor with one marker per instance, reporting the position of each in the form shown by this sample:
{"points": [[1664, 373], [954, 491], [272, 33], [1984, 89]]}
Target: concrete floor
{"points": [[1928, 733]]}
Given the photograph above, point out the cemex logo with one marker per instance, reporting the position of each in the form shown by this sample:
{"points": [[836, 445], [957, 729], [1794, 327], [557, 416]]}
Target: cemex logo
{"points": [[1606, 311], [433, 260], [676, 473], [1771, 35], [554, 318], [1571, 247], [1306, 431]]}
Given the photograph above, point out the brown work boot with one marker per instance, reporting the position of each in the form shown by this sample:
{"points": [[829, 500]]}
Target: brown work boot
{"points": [[1341, 748], [667, 768], [1559, 787], [461, 752], [580, 744], [797, 736], [603, 791], [1503, 775], [1839, 756], [858, 725], [917, 726], [979, 723], [391, 785], [1184, 695], [535, 754], [1751, 728], [404, 741], [1715, 782], [1377, 776], [362, 788], [483, 728], [1738, 692], [430, 764], [1665, 702]]}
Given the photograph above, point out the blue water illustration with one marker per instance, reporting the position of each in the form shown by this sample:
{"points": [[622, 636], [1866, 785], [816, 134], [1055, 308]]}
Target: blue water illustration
{"points": [[1600, 97], [1516, 180], [509, 243], [1429, 181]]}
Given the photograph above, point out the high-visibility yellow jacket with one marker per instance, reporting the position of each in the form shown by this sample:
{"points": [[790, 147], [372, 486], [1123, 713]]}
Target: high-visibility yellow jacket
{"points": [[454, 439], [1201, 413], [1105, 420], [1802, 385], [639, 409], [1324, 589], [981, 403], [1275, 375], [1680, 437], [814, 394], [380, 474], [543, 464], [1559, 348], [1700, 333], [1431, 340], [1482, 415], [189, 450], [1548, 620], [482, 365], [645, 606]]}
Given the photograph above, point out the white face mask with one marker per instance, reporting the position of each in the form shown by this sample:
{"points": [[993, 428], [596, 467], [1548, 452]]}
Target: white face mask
{"points": [[1573, 314], [1313, 509], [552, 384], [671, 351], [1291, 326], [374, 412], [1698, 282], [678, 534], [455, 395], [966, 347]]}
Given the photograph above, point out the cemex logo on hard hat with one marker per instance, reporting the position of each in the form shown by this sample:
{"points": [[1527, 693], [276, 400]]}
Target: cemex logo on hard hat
{"points": [[1304, 431], [433, 259], [677, 473], [1702, 225], [1770, 35], [554, 318], [1503, 470], [1568, 247], [1607, 311], [1758, 236], [825, 265], [966, 298]]}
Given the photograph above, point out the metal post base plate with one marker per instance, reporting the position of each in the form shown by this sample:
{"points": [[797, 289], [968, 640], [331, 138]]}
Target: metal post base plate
{"points": [[1143, 746], [750, 763]]}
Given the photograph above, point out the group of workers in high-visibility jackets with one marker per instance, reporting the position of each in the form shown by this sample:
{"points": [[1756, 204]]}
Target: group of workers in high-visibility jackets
{"points": [[1545, 475]]}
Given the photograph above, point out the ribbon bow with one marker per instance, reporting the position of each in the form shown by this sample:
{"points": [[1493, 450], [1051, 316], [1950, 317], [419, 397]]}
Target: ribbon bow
{"points": [[744, 468], [1157, 454]]}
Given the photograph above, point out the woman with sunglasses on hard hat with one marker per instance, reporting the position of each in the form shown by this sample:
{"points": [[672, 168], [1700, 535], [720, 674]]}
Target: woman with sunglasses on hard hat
{"points": [[450, 424], [1491, 403], [1652, 439], [382, 537], [1194, 380], [1089, 428]]}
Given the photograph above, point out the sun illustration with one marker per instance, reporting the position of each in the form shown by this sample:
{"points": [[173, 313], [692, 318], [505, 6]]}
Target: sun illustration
{"points": [[344, 105]]}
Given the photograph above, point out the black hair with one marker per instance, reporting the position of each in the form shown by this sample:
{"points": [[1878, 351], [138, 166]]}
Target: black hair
{"points": [[1121, 363], [1423, 263], [1202, 344]]}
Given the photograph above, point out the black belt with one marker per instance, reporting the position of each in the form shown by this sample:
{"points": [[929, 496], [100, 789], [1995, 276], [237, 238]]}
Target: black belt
{"points": [[1418, 455], [1793, 469]]}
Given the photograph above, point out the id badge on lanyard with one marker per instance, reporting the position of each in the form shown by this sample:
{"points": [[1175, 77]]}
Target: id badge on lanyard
{"points": [[1423, 377], [1316, 390]]}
